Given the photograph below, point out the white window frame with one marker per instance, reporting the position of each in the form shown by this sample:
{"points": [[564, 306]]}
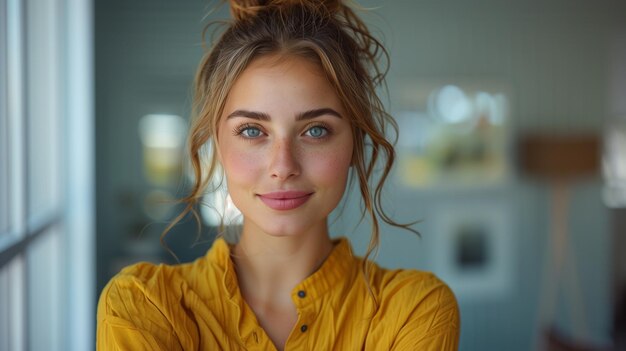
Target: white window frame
{"points": [[71, 220]]}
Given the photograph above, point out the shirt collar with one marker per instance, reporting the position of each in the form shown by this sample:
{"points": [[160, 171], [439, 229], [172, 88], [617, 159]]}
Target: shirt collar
{"points": [[337, 269]]}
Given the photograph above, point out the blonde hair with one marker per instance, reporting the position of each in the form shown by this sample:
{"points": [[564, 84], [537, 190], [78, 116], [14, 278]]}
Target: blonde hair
{"points": [[327, 32]]}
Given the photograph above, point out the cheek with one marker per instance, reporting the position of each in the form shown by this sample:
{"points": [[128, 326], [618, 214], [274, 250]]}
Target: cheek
{"points": [[240, 167], [331, 166]]}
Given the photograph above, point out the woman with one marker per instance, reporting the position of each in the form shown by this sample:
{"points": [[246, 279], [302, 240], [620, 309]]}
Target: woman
{"points": [[286, 99]]}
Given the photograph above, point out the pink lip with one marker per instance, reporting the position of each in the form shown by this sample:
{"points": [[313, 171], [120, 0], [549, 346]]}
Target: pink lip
{"points": [[285, 200]]}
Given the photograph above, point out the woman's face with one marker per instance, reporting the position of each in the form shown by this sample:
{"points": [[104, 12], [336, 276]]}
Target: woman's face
{"points": [[285, 144]]}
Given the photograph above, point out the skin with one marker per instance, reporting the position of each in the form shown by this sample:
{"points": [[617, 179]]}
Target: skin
{"points": [[265, 148]]}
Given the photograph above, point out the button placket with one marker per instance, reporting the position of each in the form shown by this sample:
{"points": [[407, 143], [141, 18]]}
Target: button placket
{"points": [[307, 314]]}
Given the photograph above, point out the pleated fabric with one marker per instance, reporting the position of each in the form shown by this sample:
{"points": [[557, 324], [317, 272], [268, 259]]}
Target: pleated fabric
{"points": [[198, 306]]}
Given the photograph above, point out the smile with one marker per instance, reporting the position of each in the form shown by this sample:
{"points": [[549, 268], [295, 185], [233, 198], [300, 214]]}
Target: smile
{"points": [[285, 200]]}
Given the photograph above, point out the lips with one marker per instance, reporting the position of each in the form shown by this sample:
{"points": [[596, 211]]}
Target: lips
{"points": [[285, 200]]}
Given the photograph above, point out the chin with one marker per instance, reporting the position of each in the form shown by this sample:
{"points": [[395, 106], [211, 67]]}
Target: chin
{"points": [[284, 230], [285, 227]]}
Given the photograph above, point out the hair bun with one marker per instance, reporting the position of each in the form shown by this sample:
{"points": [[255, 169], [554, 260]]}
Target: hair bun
{"points": [[245, 9]]}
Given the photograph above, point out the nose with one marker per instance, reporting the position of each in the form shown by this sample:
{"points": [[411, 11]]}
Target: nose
{"points": [[284, 162]]}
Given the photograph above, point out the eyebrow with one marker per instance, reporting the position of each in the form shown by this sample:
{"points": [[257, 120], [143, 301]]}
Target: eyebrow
{"points": [[249, 114], [316, 113], [300, 116]]}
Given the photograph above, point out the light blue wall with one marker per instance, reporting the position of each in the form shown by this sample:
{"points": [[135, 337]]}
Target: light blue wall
{"points": [[553, 57]]}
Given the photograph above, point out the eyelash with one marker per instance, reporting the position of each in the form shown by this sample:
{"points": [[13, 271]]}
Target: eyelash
{"points": [[239, 130], [322, 125]]}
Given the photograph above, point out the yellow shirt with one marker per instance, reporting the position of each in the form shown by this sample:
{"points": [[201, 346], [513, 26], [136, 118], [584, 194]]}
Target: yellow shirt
{"points": [[198, 306]]}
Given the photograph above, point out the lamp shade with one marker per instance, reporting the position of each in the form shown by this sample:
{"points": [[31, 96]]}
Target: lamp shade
{"points": [[560, 156]]}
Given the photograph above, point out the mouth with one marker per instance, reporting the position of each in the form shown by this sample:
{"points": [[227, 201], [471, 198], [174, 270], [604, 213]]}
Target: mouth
{"points": [[285, 200]]}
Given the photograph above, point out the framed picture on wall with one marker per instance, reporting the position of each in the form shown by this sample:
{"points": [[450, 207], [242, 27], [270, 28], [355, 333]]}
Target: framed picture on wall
{"points": [[474, 249], [454, 132]]}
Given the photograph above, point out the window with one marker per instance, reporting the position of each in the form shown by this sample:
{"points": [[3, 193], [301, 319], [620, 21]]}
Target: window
{"points": [[3, 118], [45, 180]]}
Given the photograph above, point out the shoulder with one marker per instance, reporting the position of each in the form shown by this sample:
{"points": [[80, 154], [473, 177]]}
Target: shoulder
{"points": [[139, 309], [134, 288], [426, 308], [407, 277], [412, 289], [148, 288], [148, 285], [157, 307], [156, 281]]}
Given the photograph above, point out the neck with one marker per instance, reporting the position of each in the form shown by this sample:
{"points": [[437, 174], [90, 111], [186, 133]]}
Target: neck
{"points": [[269, 267]]}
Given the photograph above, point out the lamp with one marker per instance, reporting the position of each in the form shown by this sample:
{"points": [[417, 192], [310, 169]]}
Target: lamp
{"points": [[560, 160]]}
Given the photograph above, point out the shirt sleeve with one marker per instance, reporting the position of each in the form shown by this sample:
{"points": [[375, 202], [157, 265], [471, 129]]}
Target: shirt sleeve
{"points": [[129, 320], [434, 323]]}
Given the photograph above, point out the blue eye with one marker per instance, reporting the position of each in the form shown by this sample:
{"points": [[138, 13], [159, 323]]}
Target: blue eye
{"points": [[317, 132], [251, 132]]}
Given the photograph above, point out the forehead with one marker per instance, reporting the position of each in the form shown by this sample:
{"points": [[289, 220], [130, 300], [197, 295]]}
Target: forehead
{"points": [[282, 82], [280, 69], [285, 63]]}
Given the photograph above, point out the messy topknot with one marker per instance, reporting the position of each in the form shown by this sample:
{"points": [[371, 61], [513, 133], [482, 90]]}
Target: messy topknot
{"points": [[243, 10]]}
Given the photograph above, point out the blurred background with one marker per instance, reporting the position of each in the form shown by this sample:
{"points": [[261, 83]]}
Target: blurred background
{"points": [[512, 153]]}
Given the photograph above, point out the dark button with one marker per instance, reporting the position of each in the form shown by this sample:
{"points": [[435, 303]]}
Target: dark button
{"points": [[301, 294], [303, 328]]}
